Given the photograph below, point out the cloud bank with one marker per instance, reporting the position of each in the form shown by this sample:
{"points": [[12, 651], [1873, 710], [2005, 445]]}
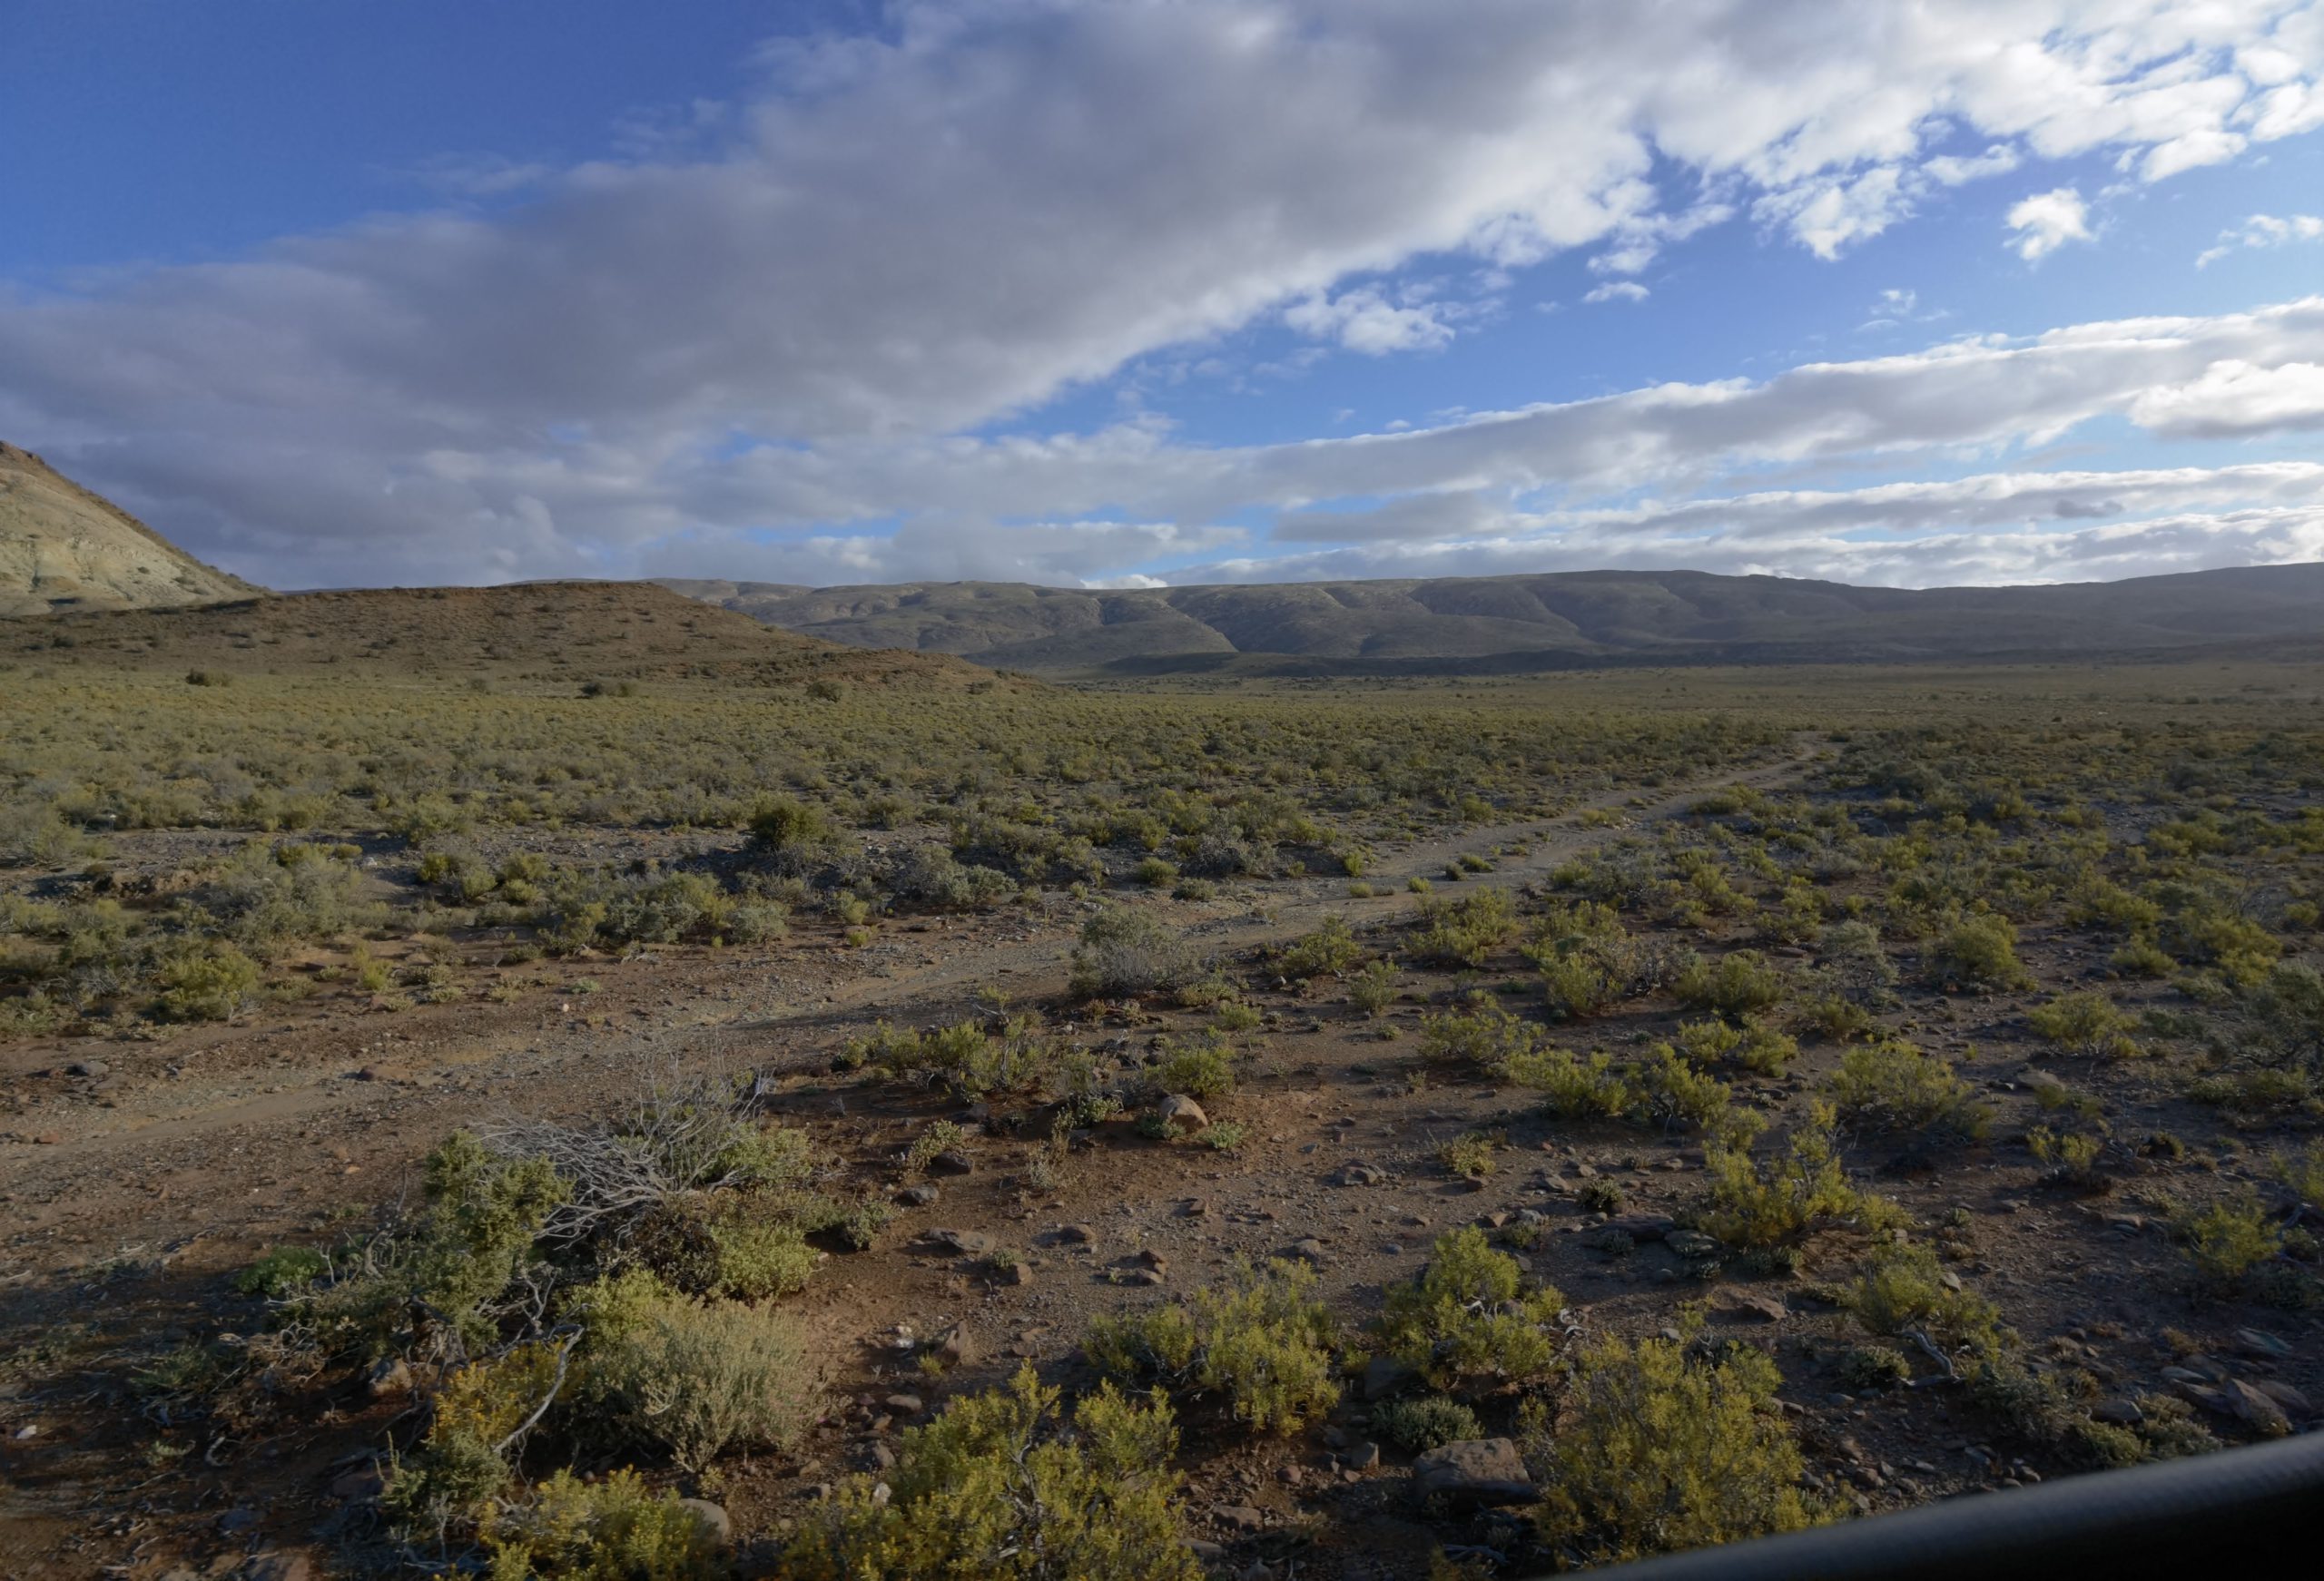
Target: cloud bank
{"points": [[793, 345]]}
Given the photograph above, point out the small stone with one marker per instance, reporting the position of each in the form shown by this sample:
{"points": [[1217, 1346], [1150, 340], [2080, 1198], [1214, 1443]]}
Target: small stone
{"points": [[2260, 1342], [1359, 1175], [279, 1565], [1641, 1226], [879, 1457], [1208, 1553], [390, 1376], [1362, 1457], [1385, 1376], [88, 1067], [1750, 1305], [954, 1345], [2120, 1410], [715, 1522], [917, 1196], [1179, 1113], [1474, 1473], [951, 1161], [1307, 1249], [1193, 1208], [966, 1242], [907, 1404], [1690, 1244], [1240, 1517], [1017, 1273], [1076, 1235]]}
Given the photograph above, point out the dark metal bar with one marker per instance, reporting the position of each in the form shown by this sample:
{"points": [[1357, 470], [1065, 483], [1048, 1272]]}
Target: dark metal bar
{"points": [[2247, 1512]]}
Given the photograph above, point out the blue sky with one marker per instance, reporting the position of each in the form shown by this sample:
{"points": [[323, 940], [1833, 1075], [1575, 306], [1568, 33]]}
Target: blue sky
{"points": [[1092, 293]]}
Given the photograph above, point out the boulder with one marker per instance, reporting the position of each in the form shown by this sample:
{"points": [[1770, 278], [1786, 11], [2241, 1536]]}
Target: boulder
{"points": [[1179, 1113], [1474, 1474]]}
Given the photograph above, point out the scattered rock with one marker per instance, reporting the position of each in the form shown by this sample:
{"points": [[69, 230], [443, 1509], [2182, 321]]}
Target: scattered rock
{"points": [[279, 1565], [715, 1522], [2240, 1401], [954, 1345], [1177, 1111], [1076, 1235], [966, 1242], [390, 1376], [1193, 1208], [2120, 1410], [1690, 1244], [1017, 1273], [1385, 1376], [917, 1196], [1306, 1250], [1239, 1518], [88, 1067], [904, 1405], [1474, 1474], [2294, 1403], [1362, 1457], [1359, 1175], [1750, 1304], [878, 1457], [1640, 1226], [951, 1161], [2260, 1342]]}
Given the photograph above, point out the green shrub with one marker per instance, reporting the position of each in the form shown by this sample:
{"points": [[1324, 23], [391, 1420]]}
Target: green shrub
{"points": [[1469, 1155], [1468, 1317], [1329, 952], [460, 1464], [1893, 1086], [2072, 1155], [613, 1529], [698, 1377], [1479, 1033], [755, 1259], [1201, 1067], [1572, 1087], [994, 1488], [1464, 932], [1262, 1341], [1657, 1451], [2084, 1023], [1870, 1368], [214, 984], [1904, 1287], [1374, 989], [1741, 983], [1754, 1045], [1774, 1202], [783, 826], [2229, 1240], [1124, 952], [1979, 952], [1425, 1423], [282, 1272], [1666, 1092]]}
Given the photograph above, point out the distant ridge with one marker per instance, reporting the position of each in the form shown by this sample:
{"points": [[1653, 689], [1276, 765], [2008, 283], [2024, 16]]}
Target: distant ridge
{"points": [[1558, 619], [64, 547], [561, 631]]}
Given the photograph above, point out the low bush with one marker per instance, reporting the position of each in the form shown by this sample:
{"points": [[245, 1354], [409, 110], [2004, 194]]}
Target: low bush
{"points": [[1904, 1287], [997, 1487], [1893, 1086], [1262, 1341], [613, 1529], [1425, 1423], [1774, 1202], [1657, 1451], [1124, 952], [700, 1377], [1330, 951], [216, 983], [1979, 952], [1738, 984], [2084, 1023], [1467, 1318], [1199, 1067], [1464, 932], [1373, 989], [2228, 1241]]}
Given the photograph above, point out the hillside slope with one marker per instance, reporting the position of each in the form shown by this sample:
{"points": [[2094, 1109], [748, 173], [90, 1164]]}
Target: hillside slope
{"points": [[1502, 622], [64, 547], [542, 630]]}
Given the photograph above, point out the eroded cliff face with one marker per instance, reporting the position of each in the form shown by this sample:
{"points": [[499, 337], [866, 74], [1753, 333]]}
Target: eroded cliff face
{"points": [[64, 547]]}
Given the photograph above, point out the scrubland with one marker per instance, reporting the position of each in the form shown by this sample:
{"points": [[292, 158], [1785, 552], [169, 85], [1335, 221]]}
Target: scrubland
{"points": [[1349, 1128]]}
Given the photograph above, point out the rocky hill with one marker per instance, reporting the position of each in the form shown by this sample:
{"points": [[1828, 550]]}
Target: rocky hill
{"points": [[64, 548], [1476, 624]]}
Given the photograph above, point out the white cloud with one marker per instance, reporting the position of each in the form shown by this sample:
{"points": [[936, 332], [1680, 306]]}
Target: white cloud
{"points": [[2234, 399], [1364, 320], [2046, 222], [1617, 291], [784, 314], [2264, 230]]}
